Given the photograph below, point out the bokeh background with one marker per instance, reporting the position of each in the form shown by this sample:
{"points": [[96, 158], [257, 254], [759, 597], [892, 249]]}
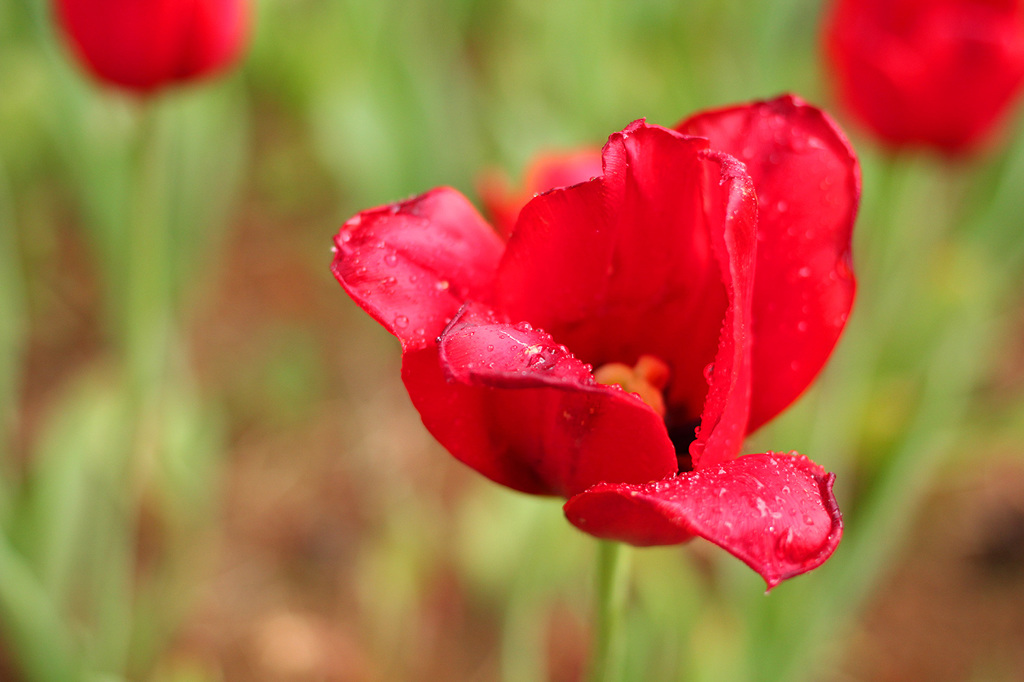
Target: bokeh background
{"points": [[209, 469]]}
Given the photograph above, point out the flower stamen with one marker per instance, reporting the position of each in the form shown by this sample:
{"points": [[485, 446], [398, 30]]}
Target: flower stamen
{"points": [[648, 379]]}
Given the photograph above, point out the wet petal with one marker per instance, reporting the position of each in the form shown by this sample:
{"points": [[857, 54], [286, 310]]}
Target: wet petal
{"points": [[411, 265], [732, 211], [622, 266], [509, 402], [775, 512], [808, 187]]}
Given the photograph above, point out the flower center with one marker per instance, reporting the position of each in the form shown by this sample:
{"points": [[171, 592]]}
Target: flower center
{"points": [[648, 379]]}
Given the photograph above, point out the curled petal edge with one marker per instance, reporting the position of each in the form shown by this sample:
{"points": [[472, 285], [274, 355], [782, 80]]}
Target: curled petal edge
{"points": [[524, 404], [774, 512], [412, 264]]}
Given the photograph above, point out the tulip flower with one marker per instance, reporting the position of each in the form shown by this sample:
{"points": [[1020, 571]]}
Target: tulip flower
{"points": [[938, 73], [616, 348], [143, 45]]}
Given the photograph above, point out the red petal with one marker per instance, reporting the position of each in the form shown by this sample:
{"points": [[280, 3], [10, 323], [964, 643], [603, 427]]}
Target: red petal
{"points": [[526, 413], [547, 172], [732, 213], [622, 265], [808, 187], [775, 512], [411, 265]]}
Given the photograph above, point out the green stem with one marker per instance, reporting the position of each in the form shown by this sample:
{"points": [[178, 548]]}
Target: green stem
{"points": [[612, 581]]}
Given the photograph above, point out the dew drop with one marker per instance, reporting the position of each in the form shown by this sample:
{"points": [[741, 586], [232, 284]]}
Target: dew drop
{"points": [[391, 259], [709, 371], [401, 321], [441, 285]]}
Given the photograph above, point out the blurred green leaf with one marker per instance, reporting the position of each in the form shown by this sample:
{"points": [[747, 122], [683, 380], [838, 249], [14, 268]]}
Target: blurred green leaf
{"points": [[31, 623], [13, 327]]}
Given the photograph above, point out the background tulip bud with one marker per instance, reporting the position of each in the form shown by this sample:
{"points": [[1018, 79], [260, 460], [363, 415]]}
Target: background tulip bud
{"points": [[143, 45], [940, 73]]}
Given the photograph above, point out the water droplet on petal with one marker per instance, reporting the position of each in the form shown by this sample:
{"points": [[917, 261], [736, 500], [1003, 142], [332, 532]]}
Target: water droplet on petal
{"points": [[709, 371], [401, 321], [391, 259]]}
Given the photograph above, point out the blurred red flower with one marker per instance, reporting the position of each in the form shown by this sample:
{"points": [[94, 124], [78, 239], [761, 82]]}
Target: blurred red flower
{"points": [[552, 170], [646, 271], [143, 45], [939, 73]]}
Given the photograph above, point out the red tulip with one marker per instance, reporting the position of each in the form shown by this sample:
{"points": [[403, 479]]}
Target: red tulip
{"points": [[939, 73], [647, 272], [143, 45]]}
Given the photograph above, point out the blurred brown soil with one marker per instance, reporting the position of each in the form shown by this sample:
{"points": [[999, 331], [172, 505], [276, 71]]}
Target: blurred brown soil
{"points": [[952, 606]]}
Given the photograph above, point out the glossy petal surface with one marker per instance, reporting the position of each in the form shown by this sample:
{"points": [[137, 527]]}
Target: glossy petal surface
{"points": [[732, 216], [511, 403], [622, 265], [939, 73], [144, 44], [413, 264], [775, 512], [807, 181]]}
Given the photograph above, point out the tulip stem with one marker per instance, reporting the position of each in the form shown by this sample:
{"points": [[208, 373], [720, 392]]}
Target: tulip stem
{"points": [[611, 582]]}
